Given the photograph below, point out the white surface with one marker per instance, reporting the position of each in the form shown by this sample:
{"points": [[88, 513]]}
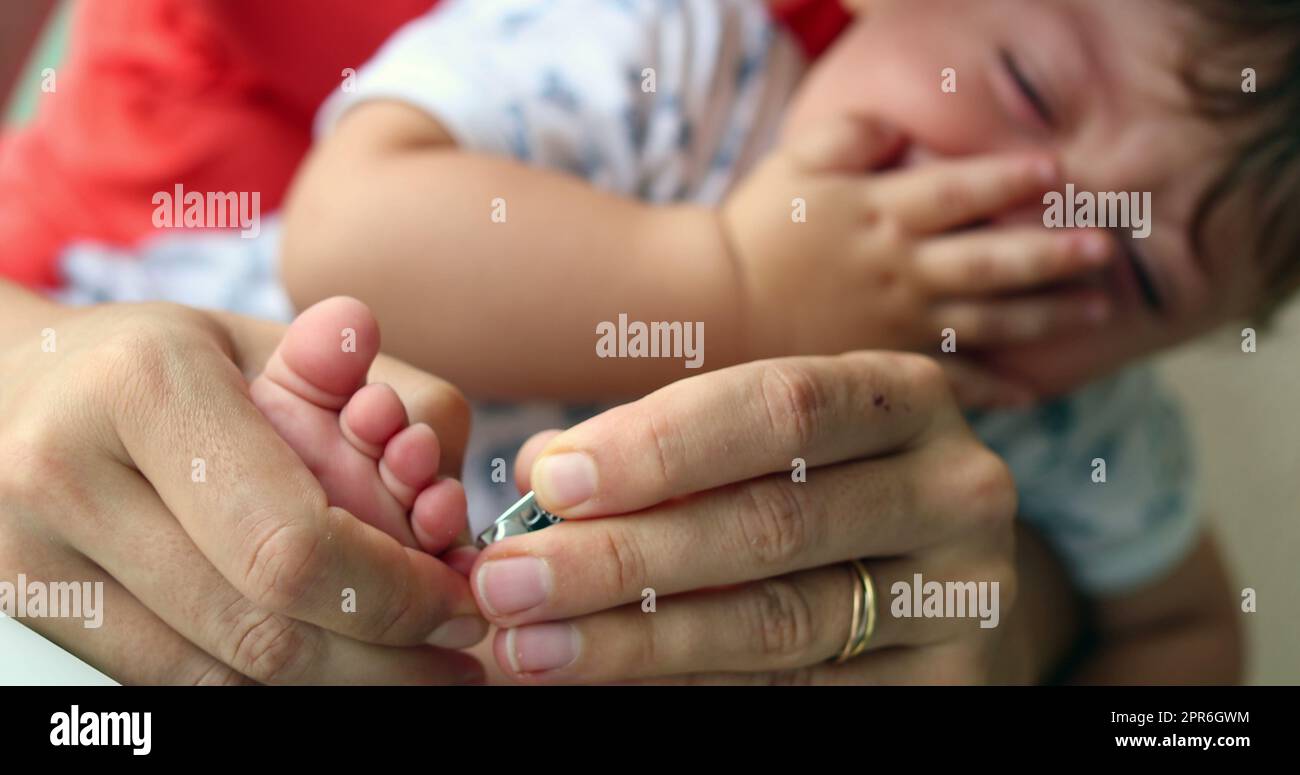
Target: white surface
{"points": [[27, 659]]}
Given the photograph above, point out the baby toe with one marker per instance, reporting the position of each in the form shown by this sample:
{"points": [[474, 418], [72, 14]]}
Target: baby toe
{"points": [[372, 418], [326, 352], [410, 462], [440, 515]]}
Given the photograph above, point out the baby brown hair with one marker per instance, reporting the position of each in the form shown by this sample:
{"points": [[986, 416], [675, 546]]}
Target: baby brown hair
{"points": [[1259, 40]]}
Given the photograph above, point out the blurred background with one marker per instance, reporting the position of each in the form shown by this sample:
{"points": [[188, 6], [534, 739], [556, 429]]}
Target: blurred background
{"points": [[1245, 415], [1246, 422]]}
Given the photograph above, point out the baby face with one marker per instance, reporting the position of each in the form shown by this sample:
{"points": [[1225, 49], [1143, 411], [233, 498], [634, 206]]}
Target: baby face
{"points": [[1096, 83]]}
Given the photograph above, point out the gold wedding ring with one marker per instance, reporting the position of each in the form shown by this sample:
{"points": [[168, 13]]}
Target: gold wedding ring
{"points": [[863, 624]]}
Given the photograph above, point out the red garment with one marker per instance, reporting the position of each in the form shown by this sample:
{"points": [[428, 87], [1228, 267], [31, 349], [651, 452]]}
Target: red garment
{"points": [[815, 23], [214, 95]]}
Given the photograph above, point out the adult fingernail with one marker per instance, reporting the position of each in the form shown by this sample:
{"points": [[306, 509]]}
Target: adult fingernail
{"points": [[564, 480], [514, 584], [540, 647], [459, 633]]}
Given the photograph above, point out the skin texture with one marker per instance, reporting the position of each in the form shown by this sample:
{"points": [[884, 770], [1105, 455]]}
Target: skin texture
{"points": [[231, 580], [747, 563], [671, 262], [355, 437], [1109, 70], [725, 267], [747, 566], [284, 649], [893, 237], [1111, 117]]}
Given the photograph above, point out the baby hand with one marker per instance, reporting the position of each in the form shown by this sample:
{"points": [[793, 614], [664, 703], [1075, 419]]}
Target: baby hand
{"points": [[835, 256]]}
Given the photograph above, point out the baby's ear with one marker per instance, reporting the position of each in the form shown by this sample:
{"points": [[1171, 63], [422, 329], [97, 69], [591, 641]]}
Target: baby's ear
{"points": [[855, 6]]}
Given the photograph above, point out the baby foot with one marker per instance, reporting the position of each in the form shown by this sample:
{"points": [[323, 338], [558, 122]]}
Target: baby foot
{"points": [[355, 437]]}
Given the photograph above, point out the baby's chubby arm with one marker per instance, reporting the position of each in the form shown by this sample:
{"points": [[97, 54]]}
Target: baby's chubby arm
{"points": [[387, 209], [814, 253]]}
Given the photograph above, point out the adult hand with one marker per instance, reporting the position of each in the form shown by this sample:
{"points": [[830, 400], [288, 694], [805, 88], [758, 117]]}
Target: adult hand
{"points": [[242, 577], [689, 492]]}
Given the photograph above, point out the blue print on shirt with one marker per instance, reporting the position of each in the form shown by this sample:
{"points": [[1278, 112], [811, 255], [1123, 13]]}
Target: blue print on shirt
{"points": [[559, 92]]}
